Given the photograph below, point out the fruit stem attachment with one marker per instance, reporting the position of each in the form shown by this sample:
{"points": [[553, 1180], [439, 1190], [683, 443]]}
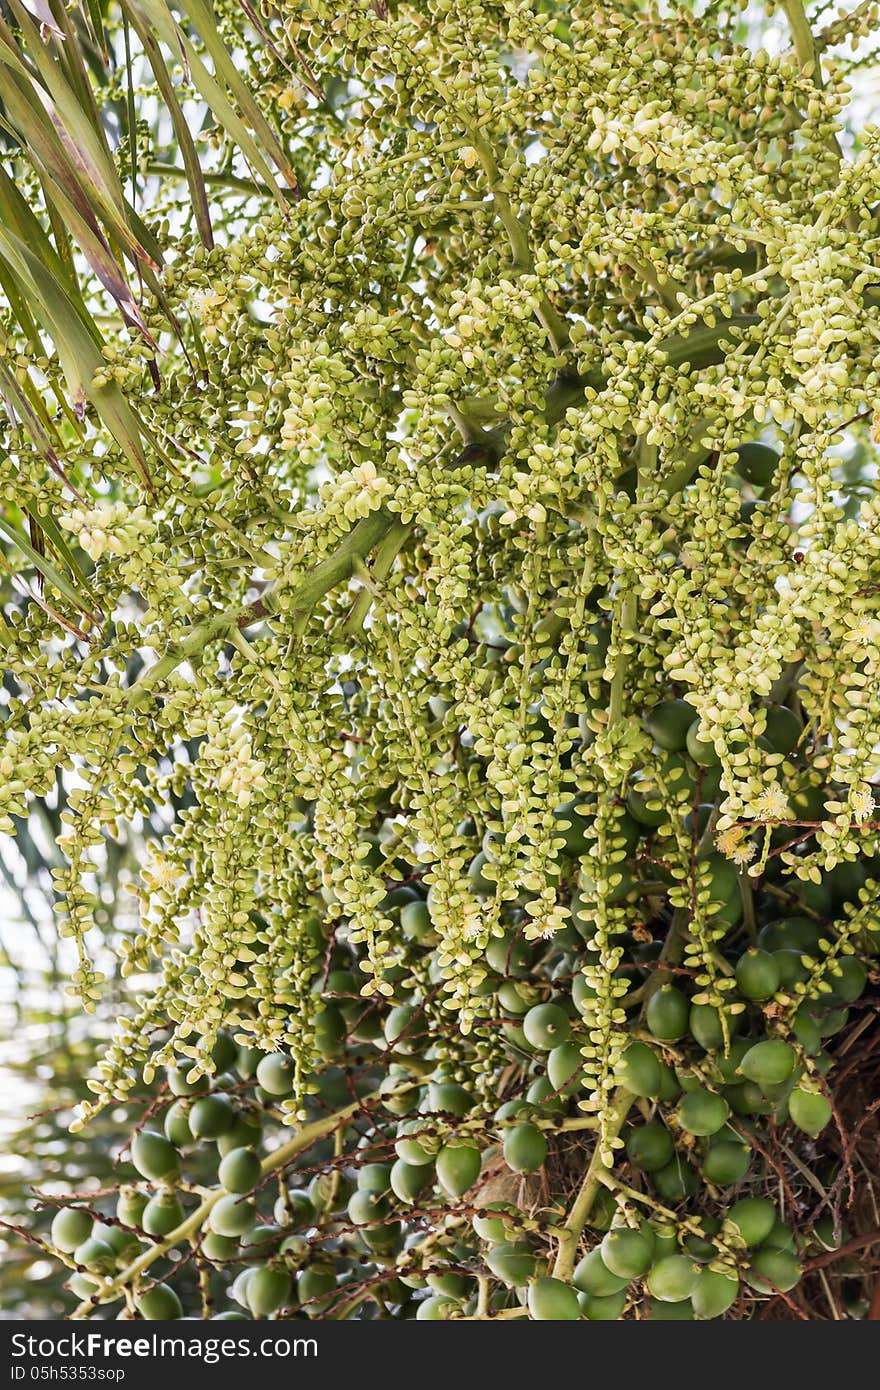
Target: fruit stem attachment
{"points": [[570, 1232]]}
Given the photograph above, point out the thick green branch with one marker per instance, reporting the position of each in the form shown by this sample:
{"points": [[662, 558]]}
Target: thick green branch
{"points": [[570, 1232]]}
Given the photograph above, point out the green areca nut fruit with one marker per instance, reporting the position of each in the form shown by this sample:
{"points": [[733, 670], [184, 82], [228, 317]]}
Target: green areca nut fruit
{"points": [[176, 1124], [672, 1279], [565, 1068], [130, 1206], [512, 1262], [240, 1170], [95, 1255], [70, 1227], [704, 1023], [783, 729], [713, 1293], [525, 1148], [592, 1276], [700, 749], [757, 974], [756, 463], [154, 1156], [809, 1111], [754, 1217], [550, 1300], [374, 1177], [650, 1147], [726, 1162], [458, 1167], [638, 1070], [408, 1180], [159, 1304], [667, 1013], [268, 1291], [546, 1026], [773, 1270], [676, 1181], [607, 1309], [626, 1252], [162, 1214], [275, 1073], [769, 1063], [231, 1216], [668, 724], [315, 1287], [702, 1112], [211, 1116]]}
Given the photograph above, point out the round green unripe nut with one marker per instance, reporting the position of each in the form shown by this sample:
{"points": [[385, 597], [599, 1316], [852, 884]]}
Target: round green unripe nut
{"points": [[230, 1216], [245, 1133], [672, 1279], [757, 974], [124, 1244], [408, 1180], [565, 1068], [448, 1098], [268, 1291], [414, 1144], [713, 1293], [847, 981], [374, 1177], [701, 750], [130, 1206], [638, 1070], [275, 1073], [809, 1111], [219, 1248], [458, 1167], [627, 1253], [769, 1063], [650, 1147], [726, 1162], [70, 1227], [550, 1300], [546, 1026], [512, 1262], [437, 1308], [666, 1014], [592, 1276], [97, 1256], [754, 1218], [525, 1148], [162, 1214], [415, 922], [702, 1112], [676, 1180], [606, 1309], [366, 1207], [295, 1210], [154, 1156], [313, 1284], [668, 724], [240, 1170], [211, 1116], [783, 729], [756, 463], [180, 1086], [773, 1270], [176, 1124], [159, 1304]]}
